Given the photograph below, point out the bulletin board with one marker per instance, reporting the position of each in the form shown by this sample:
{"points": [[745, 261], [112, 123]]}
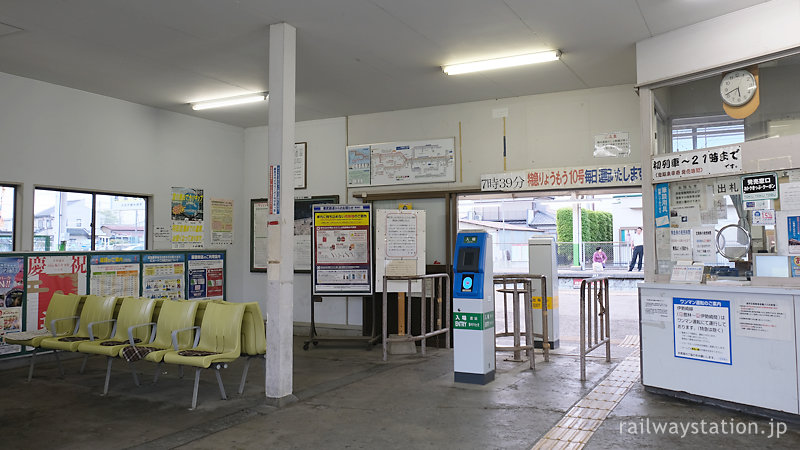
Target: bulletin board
{"points": [[399, 247], [303, 219], [342, 244], [29, 280]]}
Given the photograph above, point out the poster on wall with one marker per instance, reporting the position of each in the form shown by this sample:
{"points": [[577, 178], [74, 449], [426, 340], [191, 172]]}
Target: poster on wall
{"points": [[221, 222], [12, 293], [116, 275], [259, 218], [206, 276], [342, 247], [163, 276], [187, 218], [303, 223], [702, 329], [10, 322], [400, 237], [48, 274], [680, 240], [793, 230], [765, 318], [704, 247], [358, 165], [661, 202]]}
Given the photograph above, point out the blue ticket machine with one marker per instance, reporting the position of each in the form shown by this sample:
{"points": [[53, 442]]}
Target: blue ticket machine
{"points": [[473, 308]]}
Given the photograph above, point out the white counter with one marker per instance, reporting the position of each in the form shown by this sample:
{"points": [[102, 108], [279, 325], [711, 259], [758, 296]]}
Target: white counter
{"points": [[733, 343]]}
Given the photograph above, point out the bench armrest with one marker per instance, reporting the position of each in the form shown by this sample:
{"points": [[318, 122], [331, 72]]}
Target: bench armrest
{"points": [[175, 336], [77, 320], [148, 324], [113, 329]]}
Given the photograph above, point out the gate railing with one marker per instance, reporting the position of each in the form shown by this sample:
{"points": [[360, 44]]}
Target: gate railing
{"points": [[594, 319]]}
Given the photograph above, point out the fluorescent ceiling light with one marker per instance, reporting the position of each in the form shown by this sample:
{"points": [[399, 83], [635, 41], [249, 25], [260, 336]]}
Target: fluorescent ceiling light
{"points": [[500, 63], [230, 101]]}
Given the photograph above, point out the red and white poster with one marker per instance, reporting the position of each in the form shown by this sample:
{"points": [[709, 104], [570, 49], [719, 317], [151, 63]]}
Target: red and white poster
{"points": [[48, 274]]}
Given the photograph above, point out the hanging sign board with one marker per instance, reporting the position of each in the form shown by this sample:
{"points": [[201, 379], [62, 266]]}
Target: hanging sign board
{"points": [[342, 249], [707, 161], [762, 186], [564, 177]]}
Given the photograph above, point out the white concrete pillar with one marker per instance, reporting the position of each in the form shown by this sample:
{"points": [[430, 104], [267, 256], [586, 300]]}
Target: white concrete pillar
{"points": [[280, 235]]}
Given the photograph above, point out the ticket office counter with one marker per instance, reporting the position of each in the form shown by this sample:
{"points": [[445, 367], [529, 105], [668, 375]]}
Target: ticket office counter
{"points": [[737, 344]]}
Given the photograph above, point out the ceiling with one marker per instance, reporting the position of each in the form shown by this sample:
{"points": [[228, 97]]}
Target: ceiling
{"points": [[353, 56]]}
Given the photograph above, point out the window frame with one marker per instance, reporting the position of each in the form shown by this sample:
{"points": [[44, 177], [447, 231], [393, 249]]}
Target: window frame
{"points": [[694, 123], [15, 210], [93, 224]]}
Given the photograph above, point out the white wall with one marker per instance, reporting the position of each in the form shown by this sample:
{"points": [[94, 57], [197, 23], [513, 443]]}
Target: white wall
{"points": [[741, 35], [542, 131], [325, 176], [61, 137]]}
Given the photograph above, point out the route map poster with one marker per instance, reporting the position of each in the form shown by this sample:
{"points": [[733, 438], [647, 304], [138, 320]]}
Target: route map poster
{"points": [[411, 162], [342, 248]]}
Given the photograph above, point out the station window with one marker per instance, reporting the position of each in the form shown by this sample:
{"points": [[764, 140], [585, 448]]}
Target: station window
{"points": [[80, 221], [694, 133], [8, 195]]}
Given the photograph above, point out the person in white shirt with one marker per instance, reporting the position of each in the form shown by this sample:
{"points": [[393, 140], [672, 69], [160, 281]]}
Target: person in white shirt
{"points": [[638, 249]]}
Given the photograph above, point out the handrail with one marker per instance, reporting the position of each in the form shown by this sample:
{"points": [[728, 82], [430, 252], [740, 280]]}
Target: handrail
{"points": [[595, 319], [442, 300], [526, 279]]}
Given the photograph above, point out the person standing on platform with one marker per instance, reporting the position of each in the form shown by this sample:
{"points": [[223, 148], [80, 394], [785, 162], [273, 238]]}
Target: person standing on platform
{"points": [[638, 249]]}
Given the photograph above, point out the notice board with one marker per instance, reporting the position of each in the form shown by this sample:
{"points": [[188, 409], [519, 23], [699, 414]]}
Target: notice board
{"points": [[342, 250]]}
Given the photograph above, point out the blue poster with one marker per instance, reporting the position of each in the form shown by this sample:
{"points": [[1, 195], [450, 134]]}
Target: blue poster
{"points": [[702, 329], [11, 281], [661, 197], [793, 227]]}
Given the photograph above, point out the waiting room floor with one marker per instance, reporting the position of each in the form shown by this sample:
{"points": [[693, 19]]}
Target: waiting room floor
{"points": [[349, 398]]}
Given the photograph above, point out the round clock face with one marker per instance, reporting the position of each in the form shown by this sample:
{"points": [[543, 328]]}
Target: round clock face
{"points": [[738, 87]]}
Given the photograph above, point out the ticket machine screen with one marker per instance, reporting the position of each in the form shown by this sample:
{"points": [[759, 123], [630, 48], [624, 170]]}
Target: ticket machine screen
{"points": [[469, 259]]}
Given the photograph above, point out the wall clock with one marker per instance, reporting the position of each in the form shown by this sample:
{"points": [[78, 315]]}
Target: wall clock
{"points": [[738, 87], [740, 92]]}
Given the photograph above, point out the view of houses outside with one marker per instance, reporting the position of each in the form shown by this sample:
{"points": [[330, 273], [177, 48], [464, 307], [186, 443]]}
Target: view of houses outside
{"points": [[63, 221], [512, 221]]}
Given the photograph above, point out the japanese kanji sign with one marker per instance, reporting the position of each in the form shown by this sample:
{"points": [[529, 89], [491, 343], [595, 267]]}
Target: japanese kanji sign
{"points": [[760, 186], [709, 161], [565, 177]]}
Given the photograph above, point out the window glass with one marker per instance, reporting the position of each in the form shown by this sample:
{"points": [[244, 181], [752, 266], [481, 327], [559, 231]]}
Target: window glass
{"points": [[80, 221], [7, 196], [120, 223]]}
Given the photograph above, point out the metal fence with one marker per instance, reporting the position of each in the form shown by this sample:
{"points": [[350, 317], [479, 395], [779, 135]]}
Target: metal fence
{"points": [[618, 253]]}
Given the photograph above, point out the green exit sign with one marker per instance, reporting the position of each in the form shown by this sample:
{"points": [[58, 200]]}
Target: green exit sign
{"points": [[470, 239]]}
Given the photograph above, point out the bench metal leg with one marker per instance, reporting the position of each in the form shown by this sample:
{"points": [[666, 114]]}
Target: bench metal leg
{"points": [[196, 385], [33, 361], [110, 361], [58, 360], [158, 371], [244, 375], [83, 366], [134, 373], [219, 381]]}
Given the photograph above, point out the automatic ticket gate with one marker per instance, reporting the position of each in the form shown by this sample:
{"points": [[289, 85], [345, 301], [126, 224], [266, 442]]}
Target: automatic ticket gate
{"points": [[473, 308]]}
